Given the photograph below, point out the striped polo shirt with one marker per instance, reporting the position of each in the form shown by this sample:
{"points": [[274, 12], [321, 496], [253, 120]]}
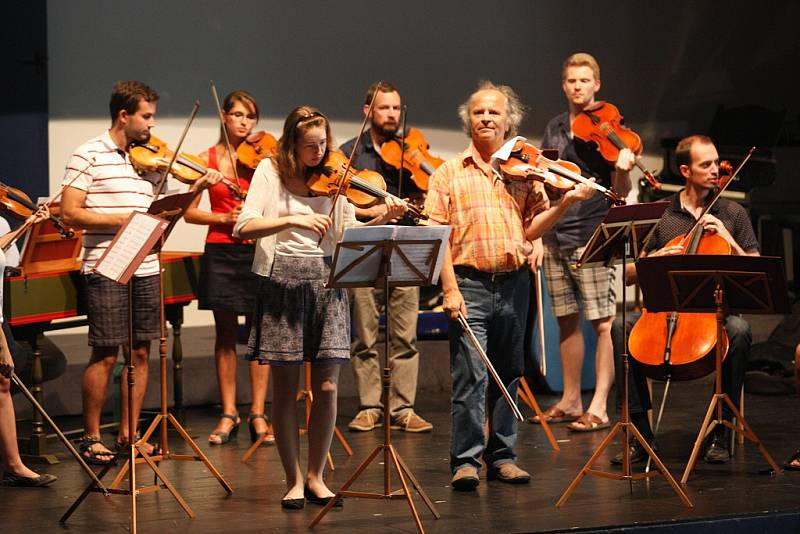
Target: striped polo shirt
{"points": [[112, 185]]}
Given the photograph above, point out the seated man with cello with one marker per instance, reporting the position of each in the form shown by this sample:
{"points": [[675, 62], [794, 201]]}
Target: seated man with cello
{"points": [[698, 161], [101, 189], [404, 356]]}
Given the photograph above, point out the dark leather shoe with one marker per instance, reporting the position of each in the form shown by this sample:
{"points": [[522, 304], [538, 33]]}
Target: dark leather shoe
{"points": [[509, 473], [322, 501], [637, 453], [465, 479], [716, 451]]}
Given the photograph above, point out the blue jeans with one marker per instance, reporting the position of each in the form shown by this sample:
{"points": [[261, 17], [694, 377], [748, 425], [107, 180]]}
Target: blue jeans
{"points": [[496, 309]]}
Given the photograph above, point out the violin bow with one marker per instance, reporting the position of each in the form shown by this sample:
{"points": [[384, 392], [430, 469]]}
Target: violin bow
{"points": [[163, 179], [20, 231], [489, 367], [340, 187], [236, 188], [721, 190], [402, 153]]}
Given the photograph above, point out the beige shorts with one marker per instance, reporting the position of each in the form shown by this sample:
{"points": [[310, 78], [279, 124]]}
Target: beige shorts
{"points": [[588, 289]]}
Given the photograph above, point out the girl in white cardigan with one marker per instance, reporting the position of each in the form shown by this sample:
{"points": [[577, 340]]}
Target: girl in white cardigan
{"points": [[297, 319]]}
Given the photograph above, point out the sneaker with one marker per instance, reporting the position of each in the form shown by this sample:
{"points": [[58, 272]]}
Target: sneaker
{"points": [[465, 479], [509, 473], [411, 422], [716, 449], [364, 421]]}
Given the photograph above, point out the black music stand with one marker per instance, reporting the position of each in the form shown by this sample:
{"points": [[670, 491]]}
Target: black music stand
{"points": [[387, 256], [722, 285], [624, 232]]}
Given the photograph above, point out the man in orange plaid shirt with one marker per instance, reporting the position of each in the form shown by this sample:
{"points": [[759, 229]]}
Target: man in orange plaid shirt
{"points": [[484, 277]]}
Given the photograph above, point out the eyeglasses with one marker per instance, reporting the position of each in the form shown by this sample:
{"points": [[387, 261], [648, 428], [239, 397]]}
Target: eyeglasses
{"points": [[238, 115]]}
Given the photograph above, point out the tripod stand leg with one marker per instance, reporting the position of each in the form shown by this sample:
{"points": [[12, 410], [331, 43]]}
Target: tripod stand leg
{"points": [[406, 491], [199, 454], [705, 428], [747, 432], [660, 465], [160, 474], [658, 418], [85, 494], [343, 441], [346, 485], [531, 400], [574, 484], [417, 486]]}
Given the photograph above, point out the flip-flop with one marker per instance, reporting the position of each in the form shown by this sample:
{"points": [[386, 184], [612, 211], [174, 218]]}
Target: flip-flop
{"points": [[554, 415], [588, 422], [788, 465]]}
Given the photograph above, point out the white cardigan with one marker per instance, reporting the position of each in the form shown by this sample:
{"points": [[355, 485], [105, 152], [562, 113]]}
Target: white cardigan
{"points": [[261, 202]]}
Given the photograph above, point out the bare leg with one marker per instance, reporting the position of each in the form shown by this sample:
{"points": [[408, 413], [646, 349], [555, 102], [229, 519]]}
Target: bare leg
{"points": [[140, 355], [227, 327], [324, 380], [259, 384], [9, 451], [571, 348], [604, 364], [286, 427], [95, 387]]}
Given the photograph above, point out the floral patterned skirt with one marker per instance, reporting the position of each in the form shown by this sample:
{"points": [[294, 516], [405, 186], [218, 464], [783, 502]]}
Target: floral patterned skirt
{"points": [[297, 318]]}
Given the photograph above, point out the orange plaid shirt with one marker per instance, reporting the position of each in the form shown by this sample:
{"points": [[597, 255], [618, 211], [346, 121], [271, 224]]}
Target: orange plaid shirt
{"points": [[488, 216]]}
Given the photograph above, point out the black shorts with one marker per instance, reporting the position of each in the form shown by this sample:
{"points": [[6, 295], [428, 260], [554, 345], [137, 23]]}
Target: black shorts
{"points": [[108, 310]]}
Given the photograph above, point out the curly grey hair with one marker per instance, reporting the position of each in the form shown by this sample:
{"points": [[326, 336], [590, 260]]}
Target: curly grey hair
{"points": [[514, 107]]}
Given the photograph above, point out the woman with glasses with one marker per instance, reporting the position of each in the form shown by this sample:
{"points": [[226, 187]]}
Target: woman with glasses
{"points": [[297, 318], [227, 285]]}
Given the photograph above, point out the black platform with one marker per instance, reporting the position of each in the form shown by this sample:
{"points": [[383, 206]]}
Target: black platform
{"points": [[731, 498]]}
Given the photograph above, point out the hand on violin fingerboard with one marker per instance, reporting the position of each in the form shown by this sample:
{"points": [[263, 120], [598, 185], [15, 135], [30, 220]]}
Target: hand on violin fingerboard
{"points": [[625, 160]]}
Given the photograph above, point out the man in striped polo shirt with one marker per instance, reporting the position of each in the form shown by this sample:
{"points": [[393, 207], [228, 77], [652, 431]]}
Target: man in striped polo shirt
{"points": [[103, 188]]}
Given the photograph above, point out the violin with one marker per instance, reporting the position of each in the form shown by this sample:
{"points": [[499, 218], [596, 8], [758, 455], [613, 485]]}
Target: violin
{"points": [[683, 345], [527, 162], [19, 205], [362, 188], [154, 156], [601, 124], [725, 173], [256, 147], [412, 151]]}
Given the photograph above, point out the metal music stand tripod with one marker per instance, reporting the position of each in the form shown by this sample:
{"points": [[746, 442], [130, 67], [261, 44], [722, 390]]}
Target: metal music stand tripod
{"points": [[391, 260], [171, 208], [623, 233], [722, 285]]}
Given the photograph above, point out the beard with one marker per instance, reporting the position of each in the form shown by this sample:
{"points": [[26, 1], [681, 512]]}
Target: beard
{"points": [[386, 130]]}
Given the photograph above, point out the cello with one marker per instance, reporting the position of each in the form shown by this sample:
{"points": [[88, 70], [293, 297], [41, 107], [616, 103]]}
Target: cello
{"points": [[682, 345]]}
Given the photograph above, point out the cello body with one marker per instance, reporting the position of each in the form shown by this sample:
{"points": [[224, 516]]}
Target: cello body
{"points": [[687, 350]]}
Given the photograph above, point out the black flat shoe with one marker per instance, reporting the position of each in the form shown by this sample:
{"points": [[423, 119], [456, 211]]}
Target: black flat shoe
{"points": [[16, 481], [322, 501], [293, 504]]}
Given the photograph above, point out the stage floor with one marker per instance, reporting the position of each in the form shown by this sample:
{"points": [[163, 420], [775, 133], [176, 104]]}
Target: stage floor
{"points": [[737, 489]]}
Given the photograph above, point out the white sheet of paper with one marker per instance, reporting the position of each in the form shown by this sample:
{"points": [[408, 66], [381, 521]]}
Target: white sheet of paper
{"points": [[367, 270], [129, 244]]}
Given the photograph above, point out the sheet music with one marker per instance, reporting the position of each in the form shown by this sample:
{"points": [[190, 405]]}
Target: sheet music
{"points": [[366, 270], [417, 253], [132, 242]]}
